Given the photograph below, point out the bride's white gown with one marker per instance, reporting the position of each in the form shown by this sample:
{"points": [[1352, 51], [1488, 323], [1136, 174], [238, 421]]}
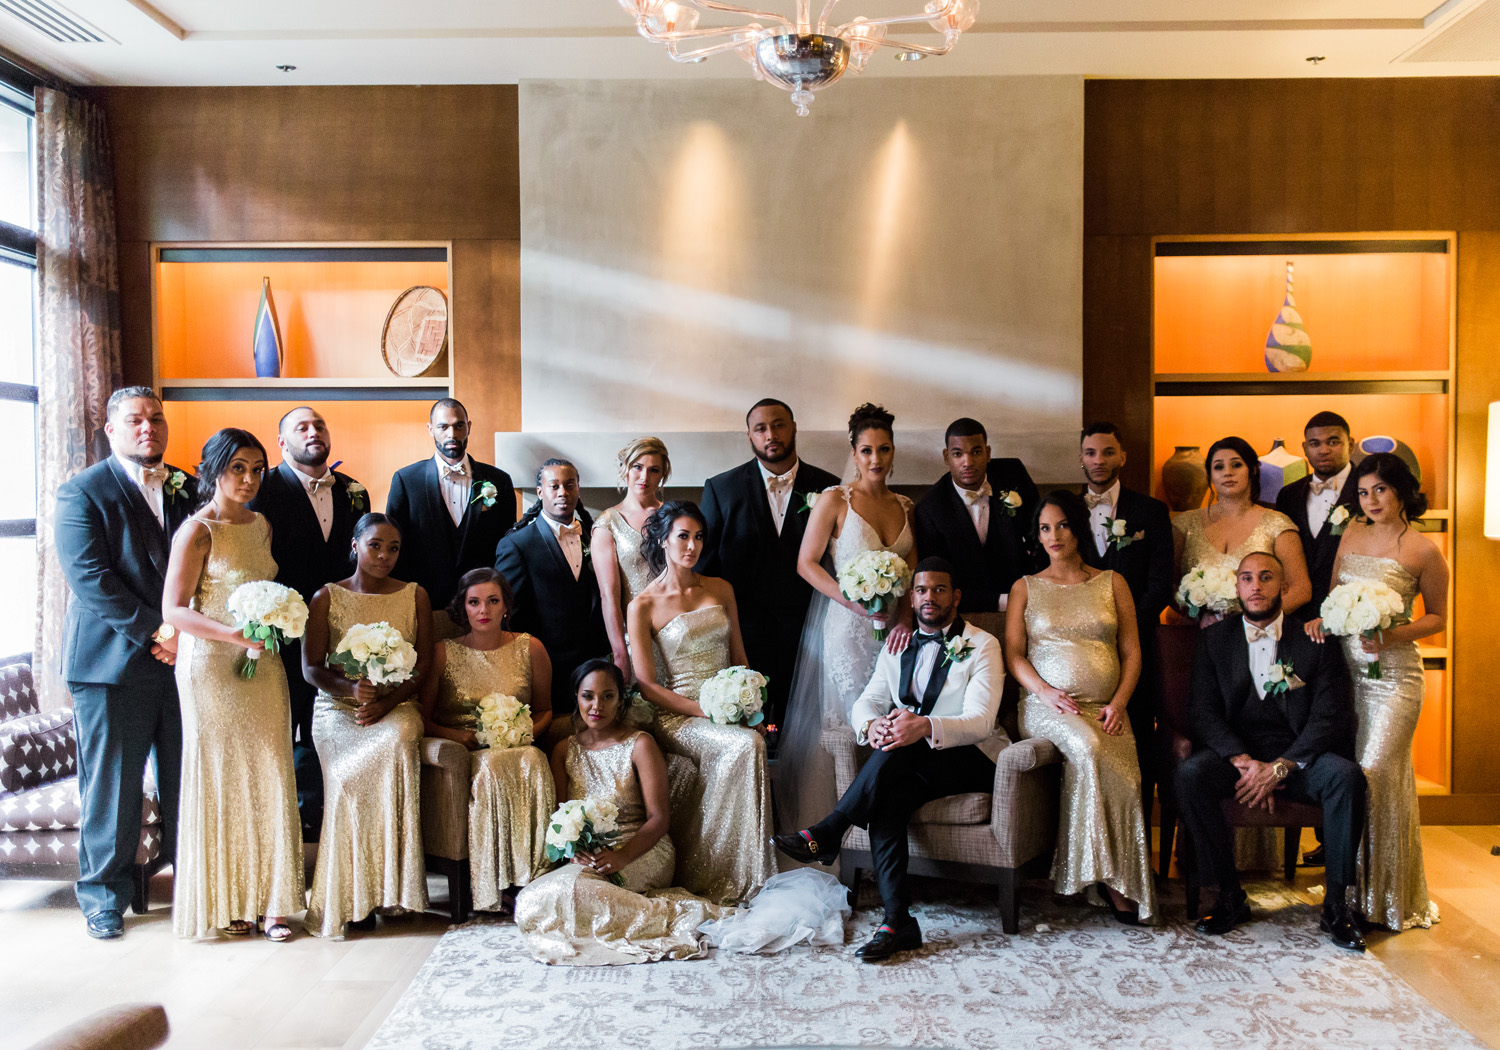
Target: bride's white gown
{"points": [[835, 660]]}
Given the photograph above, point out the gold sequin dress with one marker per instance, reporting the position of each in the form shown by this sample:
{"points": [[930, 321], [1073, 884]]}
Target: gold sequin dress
{"points": [[723, 837], [511, 794], [1392, 879], [577, 917], [635, 574], [1102, 835], [370, 851], [239, 840]]}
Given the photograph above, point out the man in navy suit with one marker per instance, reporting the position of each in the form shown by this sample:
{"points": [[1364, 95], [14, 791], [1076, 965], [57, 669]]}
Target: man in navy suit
{"points": [[312, 510], [113, 533], [756, 518], [451, 509]]}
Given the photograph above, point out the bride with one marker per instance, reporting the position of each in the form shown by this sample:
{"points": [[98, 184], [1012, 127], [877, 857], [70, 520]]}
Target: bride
{"points": [[838, 649]]}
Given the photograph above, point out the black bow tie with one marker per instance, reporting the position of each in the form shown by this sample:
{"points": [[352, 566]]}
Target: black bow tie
{"points": [[922, 638]]}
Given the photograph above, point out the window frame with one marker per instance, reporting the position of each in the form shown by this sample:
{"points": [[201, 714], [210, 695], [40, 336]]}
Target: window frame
{"points": [[18, 247]]}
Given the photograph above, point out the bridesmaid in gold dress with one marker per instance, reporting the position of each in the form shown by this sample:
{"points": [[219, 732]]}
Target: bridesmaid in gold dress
{"points": [[724, 841], [239, 841], [1071, 642], [618, 562], [370, 852], [1234, 525], [1385, 547], [511, 795], [575, 915]]}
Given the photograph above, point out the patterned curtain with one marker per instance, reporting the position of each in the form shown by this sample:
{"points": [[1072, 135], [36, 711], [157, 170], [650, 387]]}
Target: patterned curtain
{"points": [[78, 335]]}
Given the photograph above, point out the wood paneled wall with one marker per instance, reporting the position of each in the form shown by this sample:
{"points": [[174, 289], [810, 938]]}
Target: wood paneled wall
{"points": [[1311, 156]]}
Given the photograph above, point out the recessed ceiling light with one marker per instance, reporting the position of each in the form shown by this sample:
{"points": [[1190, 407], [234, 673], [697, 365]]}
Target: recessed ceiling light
{"points": [[910, 56], [286, 69], [1315, 59]]}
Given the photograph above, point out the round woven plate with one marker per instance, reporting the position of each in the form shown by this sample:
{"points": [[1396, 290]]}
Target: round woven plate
{"points": [[416, 331]]}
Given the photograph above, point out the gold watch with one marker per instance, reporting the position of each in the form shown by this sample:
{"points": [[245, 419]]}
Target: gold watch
{"points": [[165, 633], [864, 730], [1281, 767]]}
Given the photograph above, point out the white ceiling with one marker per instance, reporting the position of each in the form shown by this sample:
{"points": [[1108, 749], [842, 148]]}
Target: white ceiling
{"points": [[200, 42]]}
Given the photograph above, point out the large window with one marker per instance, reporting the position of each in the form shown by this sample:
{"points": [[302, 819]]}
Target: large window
{"points": [[17, 370]]}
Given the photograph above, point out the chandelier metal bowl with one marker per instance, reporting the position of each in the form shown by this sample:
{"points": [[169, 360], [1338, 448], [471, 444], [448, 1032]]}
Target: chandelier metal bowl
{"points": [[794, 53]]}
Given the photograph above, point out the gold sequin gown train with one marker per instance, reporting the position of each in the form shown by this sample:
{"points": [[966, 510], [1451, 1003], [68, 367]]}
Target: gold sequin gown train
{"points": [[1102, 835], [512, 793], [370, 851], [239, 842], [577, 917]]}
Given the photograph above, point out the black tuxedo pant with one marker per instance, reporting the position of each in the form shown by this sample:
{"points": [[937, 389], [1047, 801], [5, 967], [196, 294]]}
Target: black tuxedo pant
{"points": [[892, 786], [305, 763], [772, 638], [1337, 784], [1144, 711], [118, 729]]}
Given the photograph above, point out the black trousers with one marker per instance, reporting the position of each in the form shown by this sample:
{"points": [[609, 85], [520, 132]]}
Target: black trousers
{"points": [[771, 642], [1337, 784], [118, 728], [1144, 711], [309, 771], [895, 784]]}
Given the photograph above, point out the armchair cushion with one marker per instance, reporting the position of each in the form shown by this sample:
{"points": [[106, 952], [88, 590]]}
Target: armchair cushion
{"points": [[17, 697], [970, 808], [445, 798], [37, 749], [56, 807]]}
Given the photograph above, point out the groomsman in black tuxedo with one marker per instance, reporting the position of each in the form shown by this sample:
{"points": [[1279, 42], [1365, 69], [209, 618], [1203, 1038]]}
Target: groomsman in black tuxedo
{"points": [[1272, 716], [312, 510], [1132, 535], [756, 517], [451, 509], [1311, 501], [545, 559], [965, 519], [114, 530]]}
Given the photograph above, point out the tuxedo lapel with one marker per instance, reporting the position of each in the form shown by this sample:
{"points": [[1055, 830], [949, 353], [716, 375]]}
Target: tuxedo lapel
{"points": [[437, 508], [908, 667], [1298, 504], [760, 504], [343, 510], [962, 534], [549, 540], [1241, 685], [939, 676], [145, 519], [307, 518]]}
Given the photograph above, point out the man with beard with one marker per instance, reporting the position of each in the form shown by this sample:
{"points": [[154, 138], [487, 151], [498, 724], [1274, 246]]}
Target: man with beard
{"points": [[451, 509], [312, 510], [756, 516]]}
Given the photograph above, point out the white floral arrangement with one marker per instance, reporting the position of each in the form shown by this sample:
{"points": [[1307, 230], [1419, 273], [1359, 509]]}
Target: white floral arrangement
{"points": [[638, 711], [485, 493], [503, 721], [375, 652], [1208, 588], [876, 580], [1364, 608], [734, 696], [269, 613], [583, 825]]}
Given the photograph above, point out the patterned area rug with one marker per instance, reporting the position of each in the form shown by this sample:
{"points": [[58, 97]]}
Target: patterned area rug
{"points": [[1072, 977]]}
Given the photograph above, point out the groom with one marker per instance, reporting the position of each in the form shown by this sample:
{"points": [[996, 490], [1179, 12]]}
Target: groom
{"points": [[929, 713]]}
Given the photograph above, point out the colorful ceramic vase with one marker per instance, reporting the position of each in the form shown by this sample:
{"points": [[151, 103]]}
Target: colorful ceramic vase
{"points": [[1278, 468], [1288, 348], [1184, 481]]}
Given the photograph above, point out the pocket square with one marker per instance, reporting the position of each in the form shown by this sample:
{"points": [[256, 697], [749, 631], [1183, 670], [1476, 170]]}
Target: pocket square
{"points": [[1293, 682]]}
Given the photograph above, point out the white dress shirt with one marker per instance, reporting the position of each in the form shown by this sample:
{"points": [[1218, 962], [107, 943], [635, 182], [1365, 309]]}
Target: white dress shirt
{"points": [[150, 483], [1320, 504], [977, 503], [456, 483], [779, 491], [1262, 642], [570, 539], [319, 494], [1104, 507]]}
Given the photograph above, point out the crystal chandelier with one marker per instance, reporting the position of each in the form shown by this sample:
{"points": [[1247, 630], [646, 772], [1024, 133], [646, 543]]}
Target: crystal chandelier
{"points": [[796, 55]]}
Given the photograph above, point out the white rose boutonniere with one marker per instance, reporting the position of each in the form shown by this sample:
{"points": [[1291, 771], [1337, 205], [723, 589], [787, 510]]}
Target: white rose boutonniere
{"points": [[1119, 535], [809, 499], [485, 493], [358, 497], [1339, 518], [1281, 679], [1010, 499], [173, 485], [957, 649]]}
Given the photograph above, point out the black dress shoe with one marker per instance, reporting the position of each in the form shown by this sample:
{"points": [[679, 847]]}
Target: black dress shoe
{"points": [[106, 925], [805, 847], [1229, 910], [365, 925], [1313, 858], [888, 940], [1342, 927]]}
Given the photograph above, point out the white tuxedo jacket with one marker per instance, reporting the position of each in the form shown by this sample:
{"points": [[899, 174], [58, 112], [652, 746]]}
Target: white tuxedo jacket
{"points": [[967, 706]]}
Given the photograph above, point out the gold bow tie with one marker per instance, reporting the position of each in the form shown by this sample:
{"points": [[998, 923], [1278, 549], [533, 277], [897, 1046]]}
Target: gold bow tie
{"points": [[455, 473], [319, 484], [973, 496], [779, 483], [1319, 486], [157, 474], [571, 529], [1093, 500], [1255, 634]]}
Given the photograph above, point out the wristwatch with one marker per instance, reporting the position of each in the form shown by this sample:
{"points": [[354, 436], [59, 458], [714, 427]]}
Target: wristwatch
{"points": [[1281, 767], [165, 633], [864, 730]]}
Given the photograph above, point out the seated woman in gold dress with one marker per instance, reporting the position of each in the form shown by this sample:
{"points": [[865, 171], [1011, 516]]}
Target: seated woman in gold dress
{"points": [[511, 796], [576, 915]]}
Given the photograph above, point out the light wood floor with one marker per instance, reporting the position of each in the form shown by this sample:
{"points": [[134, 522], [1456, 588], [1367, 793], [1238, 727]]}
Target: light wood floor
{"points": [[244, 994]]}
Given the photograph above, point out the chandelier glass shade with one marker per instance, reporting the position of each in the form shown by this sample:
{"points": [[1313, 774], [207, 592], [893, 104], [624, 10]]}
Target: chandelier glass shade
{"points": [[794, 52]]}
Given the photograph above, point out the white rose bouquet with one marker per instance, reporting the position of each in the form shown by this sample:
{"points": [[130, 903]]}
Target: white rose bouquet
{"points": [[503, 721], [269, 613], [1364, 608], [1208, 588], [733, 696], [877, 580], [583, 825], [375, 652]]}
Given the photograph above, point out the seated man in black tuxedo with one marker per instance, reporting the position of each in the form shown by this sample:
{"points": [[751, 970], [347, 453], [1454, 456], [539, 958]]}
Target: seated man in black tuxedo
{"points": [[545, 559], [929, 712], [1272, 716], [966, 518]]}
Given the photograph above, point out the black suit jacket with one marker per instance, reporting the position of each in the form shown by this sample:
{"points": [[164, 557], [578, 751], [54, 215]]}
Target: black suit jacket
{"points": [[306, 561], [743, 547], [434, 551], [1008, 474], [985, 570], [1147, 564], [564, 613], [114, 555], [1321, 552], [1320, 713]]}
